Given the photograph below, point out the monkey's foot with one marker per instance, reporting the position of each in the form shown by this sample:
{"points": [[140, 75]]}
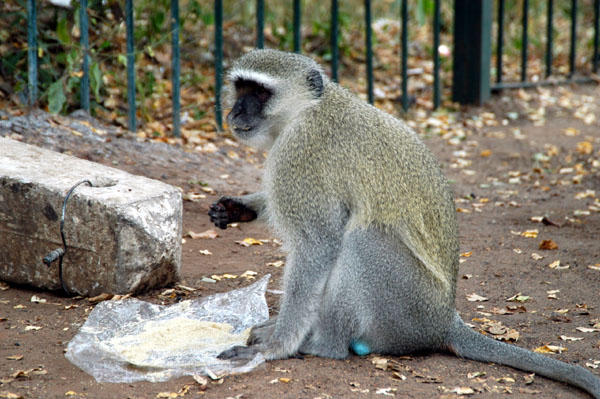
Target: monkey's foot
{"points": [[360, 347], [239, 352], [261, 332]]}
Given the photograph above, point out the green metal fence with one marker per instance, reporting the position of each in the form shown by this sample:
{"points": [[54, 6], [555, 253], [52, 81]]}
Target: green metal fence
{"points": [[472, 55]]}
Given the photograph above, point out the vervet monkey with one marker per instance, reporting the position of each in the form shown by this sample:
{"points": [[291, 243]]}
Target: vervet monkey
{"points": [[367, 218]]}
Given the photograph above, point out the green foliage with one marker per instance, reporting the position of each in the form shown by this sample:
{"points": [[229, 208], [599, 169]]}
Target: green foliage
{"points": [[96, 80], [56, 97], [423, 10]]}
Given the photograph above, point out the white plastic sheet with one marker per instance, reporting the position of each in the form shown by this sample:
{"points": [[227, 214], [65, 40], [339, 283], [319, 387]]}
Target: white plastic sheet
{"points": [[131, 340]]}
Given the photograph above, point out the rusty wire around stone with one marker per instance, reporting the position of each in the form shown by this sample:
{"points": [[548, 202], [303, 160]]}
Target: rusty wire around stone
{"points": [[59, 253]]}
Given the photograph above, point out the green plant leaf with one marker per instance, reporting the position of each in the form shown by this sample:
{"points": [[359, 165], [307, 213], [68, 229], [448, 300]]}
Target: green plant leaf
{"points": [[62, 31], [56, 97], [96, 80]]}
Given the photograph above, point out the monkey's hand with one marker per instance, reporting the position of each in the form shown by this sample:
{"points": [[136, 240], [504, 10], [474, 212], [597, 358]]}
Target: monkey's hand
{"points": [[229, 210]]}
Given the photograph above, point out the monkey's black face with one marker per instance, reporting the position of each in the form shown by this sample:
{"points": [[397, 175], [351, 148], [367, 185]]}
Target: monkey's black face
{"points": [[247, 114]]}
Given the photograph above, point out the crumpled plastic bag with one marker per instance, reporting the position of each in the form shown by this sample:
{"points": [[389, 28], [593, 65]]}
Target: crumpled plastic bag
{"points": [[131, 340]]}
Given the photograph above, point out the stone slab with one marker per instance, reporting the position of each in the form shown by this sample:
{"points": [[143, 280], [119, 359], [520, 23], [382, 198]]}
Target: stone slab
{"points": [[123, 236]]}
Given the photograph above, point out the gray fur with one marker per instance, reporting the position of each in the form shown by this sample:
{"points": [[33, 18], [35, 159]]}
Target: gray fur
{"points": [[369, 223]]}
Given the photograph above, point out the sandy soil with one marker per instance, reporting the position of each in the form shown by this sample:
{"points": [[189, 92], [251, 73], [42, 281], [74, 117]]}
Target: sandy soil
{"points": [[496, 194]]}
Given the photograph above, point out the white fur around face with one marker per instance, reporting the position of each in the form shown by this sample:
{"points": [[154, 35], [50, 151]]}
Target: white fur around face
{"points": [[258, 77]]}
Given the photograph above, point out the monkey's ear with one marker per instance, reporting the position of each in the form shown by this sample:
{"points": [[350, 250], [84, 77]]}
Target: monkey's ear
{"points": [[315, 82]]}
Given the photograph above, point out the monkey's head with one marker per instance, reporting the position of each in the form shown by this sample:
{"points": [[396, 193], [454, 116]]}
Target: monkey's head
{"points": [[267, 90]]}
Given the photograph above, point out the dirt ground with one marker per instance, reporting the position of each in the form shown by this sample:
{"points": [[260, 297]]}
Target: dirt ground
{"points": [[503, 174]]}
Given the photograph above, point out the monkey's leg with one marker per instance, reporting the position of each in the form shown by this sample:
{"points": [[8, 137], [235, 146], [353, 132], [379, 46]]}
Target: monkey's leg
{"points": [[379, 295], [307, 268]]}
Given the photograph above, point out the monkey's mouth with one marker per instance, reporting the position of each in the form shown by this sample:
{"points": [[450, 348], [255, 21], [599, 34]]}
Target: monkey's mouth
{"points": [[242, 128], [243, 131]]}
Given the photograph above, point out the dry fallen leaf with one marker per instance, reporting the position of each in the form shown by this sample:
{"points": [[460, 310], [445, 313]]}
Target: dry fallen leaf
{"points": [[556, 265], [530, 233], [498, 330], [193, 196], [536, 256], [14, 357], [249, 275], [567, 338], [476, 374], [99, 298], [10, 395], [278, 263], [587, 329], [518, 298], [586, 194], [467, 254], [593, 364], [571, 131], [386, 391], [205, 252], [37, 299], [246, 242], [209, 234], [584, 148], [380, 362], [529, 378], [461, 391], [476, 298], [505, 380], [226, 276], [548, 245], [550, 349], [552, 294], [502, 311]]}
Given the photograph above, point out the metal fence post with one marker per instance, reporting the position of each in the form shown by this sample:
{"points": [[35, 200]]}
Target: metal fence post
{"points": [[596, 59], [369, 45], [176, 67], [84, 90], [297, 25], [32, 52], [218, 62], [436, 54], [260, 24], [404, 54], [472, 51], [334, 40], [130, 65]]}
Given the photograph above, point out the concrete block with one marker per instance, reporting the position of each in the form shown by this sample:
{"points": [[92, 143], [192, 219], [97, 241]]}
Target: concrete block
{"points": [[124, 235]]}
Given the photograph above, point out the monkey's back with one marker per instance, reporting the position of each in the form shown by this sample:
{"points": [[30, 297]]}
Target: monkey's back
{"points": [[371, 167]]}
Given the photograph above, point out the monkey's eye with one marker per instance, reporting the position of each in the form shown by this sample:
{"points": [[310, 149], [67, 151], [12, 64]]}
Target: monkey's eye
{"points": [[262, 93]]}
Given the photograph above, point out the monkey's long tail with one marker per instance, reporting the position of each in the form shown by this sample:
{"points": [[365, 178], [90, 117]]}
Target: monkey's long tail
{"points": [[470, 344]]}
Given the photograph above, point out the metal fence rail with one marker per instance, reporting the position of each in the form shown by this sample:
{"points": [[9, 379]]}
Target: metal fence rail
{"points": [[572, 78], [471, 65]]}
